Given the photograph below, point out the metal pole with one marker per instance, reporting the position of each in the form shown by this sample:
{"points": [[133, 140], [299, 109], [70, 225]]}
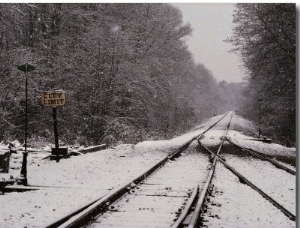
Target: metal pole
{"points": [[25, 68], [55, 132], [26, 109], [25, 154]]}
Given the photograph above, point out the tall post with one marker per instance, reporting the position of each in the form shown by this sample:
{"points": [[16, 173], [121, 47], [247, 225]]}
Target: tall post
{"points": [[25, 68], [26, 107], [25, 154], [55, 132]]}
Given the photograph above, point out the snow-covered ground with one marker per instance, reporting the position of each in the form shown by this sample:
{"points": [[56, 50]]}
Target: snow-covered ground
{"points": [[237, 205], [156, 202], [233, 204], [74, 182]]}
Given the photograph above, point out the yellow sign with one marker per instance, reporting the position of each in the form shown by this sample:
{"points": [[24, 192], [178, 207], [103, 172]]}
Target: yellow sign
{"points": [[53, 98]]}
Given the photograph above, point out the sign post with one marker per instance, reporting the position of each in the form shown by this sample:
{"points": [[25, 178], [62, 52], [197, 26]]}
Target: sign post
{"points": [[55, 128], [53, 99], [25, 68]]}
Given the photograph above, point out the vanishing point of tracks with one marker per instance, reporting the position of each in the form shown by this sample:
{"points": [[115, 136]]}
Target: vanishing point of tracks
{"points": [[170, 194]]}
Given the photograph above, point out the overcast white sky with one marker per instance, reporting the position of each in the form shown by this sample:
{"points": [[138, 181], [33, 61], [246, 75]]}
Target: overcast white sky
{"points": [[211, 24]]}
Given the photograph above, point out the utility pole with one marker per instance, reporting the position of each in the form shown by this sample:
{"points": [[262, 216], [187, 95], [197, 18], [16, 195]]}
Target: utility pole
{"points": [[25, 68]]}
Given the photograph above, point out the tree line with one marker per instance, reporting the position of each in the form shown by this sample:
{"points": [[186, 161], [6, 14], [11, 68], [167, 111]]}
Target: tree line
{"points": [[125, 68], [265, 36]]}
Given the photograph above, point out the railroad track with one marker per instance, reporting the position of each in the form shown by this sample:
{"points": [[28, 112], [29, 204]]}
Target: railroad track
{"points": [[244, 180], [163, 196], [172, 193]]}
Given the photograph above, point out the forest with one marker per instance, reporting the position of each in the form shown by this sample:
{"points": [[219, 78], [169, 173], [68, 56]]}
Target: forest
{"points": [[128, 74], [265, 37]]}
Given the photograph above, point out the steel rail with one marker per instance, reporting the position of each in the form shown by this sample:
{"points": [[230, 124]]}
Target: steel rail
{"points": [[187, 208], [249, 183], [176, 153], [196, 214], [195, 217], [262, 157]]}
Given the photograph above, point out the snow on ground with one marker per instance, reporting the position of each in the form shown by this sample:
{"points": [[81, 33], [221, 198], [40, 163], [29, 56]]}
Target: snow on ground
{"points": [[243, 126], [236, 205], [266, 148], [38, 208], [165, 191], [77, 180], [101, 169], [242, 132], [261, 172], [213, 136], [74, 182]]}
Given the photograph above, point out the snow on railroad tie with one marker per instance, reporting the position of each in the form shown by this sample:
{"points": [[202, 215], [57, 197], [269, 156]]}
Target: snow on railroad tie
{"points": [[158, 200]]}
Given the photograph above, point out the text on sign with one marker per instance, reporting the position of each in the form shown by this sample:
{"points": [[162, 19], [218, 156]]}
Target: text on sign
{"points": [[53, 98]]}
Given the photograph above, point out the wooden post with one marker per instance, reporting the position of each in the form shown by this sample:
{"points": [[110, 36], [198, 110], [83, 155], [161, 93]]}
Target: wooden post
{"points": [[55, 132]]}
